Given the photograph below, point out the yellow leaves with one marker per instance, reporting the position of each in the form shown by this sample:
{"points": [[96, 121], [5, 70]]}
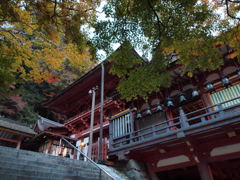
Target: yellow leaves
{"points": [[5, 49], [167, 51], [25, 18], [52, 58], [48, 64], [22, 15], [219, 43], [78, 60], [232, 39], [233, 55], [35, 35], [210, 60], [237, 36], [190, 74], [230, 36], [199, 54], [195, 53]]}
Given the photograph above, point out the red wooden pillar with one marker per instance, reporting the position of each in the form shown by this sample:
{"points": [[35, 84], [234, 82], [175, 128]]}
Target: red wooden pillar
{"points": [[171, 122], [151, 173], [205, 170]]}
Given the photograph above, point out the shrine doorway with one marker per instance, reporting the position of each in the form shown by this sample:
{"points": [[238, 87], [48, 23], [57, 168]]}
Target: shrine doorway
{"points": [[187, 173], [226, 170]]}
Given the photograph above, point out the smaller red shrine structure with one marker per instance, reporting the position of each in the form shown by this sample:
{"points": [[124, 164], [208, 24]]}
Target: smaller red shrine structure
{"points": [[49, 139], [188, 131]]}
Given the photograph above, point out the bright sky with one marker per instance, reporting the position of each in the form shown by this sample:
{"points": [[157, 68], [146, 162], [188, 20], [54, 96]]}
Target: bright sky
{"points": [[102, 16]]}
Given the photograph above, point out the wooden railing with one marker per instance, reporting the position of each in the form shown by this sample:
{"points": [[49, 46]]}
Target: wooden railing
{"points": [[84, 114], [120, 126], [212, 115]]}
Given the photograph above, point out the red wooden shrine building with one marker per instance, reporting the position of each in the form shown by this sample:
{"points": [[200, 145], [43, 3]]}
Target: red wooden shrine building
{"points": [[188, 131]]}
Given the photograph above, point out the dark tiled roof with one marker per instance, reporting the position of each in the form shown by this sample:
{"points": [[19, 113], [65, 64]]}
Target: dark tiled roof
{"points": [[16, 126]]}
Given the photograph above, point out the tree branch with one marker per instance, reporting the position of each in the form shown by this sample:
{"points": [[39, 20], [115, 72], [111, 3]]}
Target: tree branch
{"points": [[12, 34], [236, 1], [159, 22], [54, 9]]}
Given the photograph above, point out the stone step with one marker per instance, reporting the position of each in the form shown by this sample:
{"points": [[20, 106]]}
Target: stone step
{"points": [[44, 169], [54, 168], [14, 177], [116, 174], [26, 165], [41, 165], [46, 175], [48, 161], [40, 157], [27, 177]]}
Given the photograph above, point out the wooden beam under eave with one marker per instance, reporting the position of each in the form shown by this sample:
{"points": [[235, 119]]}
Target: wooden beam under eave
{"points": [[18, 141], [16, 132], [8, 140]]}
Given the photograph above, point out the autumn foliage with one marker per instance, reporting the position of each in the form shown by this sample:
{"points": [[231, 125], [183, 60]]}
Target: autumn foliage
{"points": [[42, 42]]}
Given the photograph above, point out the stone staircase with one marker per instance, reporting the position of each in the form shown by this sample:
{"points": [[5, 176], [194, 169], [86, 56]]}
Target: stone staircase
{"points": [[26, 165]]}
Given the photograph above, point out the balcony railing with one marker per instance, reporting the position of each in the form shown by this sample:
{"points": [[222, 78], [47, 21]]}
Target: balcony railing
{"points": [[211, 116], [87, 113]]}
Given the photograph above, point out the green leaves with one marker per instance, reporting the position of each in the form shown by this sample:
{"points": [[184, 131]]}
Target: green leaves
{"points": [[27, 105], [141, 82], [154, 20], [198, 54], [138, 78], [187, 28], [124, 60]]}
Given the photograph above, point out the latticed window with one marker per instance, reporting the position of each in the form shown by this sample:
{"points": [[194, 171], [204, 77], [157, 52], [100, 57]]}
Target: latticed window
{"points": [[225, 95]]}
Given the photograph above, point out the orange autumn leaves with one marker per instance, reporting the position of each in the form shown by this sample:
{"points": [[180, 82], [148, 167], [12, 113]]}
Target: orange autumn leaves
{"points": [[44, 40], [48, 64]]}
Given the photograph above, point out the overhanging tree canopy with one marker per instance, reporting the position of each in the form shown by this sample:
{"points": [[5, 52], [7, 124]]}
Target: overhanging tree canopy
{"points": [[40, 39], [192, 29], [41, 42]]}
